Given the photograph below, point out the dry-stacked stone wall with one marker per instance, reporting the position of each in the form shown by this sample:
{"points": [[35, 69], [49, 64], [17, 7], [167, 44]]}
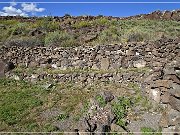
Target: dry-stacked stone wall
{"points": [[155, 66], [135, 62]]}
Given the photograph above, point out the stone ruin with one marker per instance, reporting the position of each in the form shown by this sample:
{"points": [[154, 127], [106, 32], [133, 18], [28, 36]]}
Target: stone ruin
{"points": [[102, 63]]}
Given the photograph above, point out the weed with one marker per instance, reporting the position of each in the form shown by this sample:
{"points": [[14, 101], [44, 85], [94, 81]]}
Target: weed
{"points": [[101, 101], [62, 117], [120, 109]]}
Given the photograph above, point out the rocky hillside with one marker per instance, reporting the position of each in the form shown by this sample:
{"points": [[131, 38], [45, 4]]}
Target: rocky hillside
{"points": [[88, 30], [107, 88], [124, 79]]}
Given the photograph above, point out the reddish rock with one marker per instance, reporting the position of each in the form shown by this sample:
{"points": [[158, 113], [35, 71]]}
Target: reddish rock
{"points": [[162, 83]]}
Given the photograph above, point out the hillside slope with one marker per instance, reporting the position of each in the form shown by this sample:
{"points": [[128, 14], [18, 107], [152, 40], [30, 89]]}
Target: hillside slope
{"points": [[75, 31]]}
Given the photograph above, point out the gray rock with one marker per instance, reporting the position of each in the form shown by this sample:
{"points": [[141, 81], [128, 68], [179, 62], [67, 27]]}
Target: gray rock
{"points": [[175, 103], [47, 86], [139, 63], [105, 63], [2, 68], [175, 90], [165, 97], [155, 94]]}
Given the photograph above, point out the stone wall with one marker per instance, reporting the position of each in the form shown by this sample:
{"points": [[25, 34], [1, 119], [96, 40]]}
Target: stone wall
{"points": [[134, 62], [152, 54], [154, 66]]}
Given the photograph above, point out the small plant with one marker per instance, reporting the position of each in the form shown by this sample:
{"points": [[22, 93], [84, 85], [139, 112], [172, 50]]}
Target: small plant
{"points": [[150, 131], [110, 35], [101, 101], [62, 117], [59, 38], [101, 21], [81, 24], [120, 110]]}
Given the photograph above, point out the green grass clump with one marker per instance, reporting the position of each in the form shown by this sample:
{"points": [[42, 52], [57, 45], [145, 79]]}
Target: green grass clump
{"points": [[20, 29], [62, 117], [150, 131]]}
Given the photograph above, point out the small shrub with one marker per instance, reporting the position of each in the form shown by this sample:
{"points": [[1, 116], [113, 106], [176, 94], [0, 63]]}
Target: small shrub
{"points": [[19, 29], [81, 24], [120, 110], [110, 35], [46, 24], [60, 39], [101, 21]]}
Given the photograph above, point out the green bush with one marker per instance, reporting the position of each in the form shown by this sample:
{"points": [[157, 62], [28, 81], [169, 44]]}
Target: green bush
{"points": [[81, 24], [61, 38], [110, 35], [101, 21], [19, 29], [46, 24], [101, 101], [120, 110]]}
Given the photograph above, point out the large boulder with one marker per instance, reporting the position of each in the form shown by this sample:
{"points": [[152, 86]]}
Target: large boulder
{"points": [[5, 67]]}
